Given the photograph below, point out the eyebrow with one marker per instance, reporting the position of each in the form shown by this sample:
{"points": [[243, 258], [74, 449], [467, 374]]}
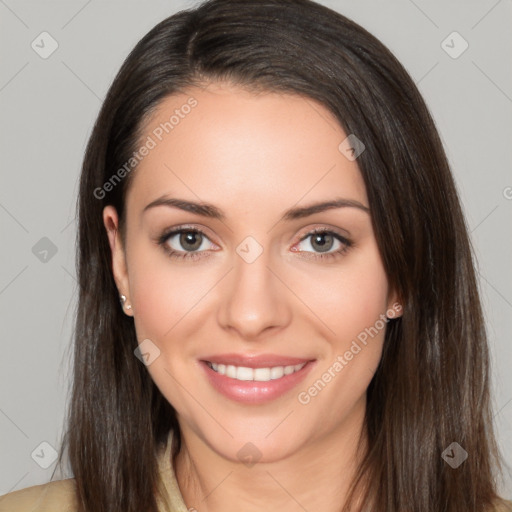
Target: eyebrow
{"points": [[211, 211]]}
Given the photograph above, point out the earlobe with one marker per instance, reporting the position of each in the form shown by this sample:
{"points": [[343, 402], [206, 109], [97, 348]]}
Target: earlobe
{"points": [[395, 307], [395, 311], [119, 270]]}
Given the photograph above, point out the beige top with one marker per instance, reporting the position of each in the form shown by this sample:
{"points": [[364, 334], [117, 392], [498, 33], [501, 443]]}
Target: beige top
{"points": [[59, 496]]}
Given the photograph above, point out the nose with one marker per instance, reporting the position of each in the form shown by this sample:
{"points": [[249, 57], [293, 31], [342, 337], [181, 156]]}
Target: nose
{"points": [[255, 300]]}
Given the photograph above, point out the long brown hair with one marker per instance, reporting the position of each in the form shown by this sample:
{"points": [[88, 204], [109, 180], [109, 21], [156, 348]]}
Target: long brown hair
{"points": [[432, 385]]}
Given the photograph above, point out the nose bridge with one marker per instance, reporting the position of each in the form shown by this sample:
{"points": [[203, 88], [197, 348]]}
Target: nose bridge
{"points": [[254, 299]]}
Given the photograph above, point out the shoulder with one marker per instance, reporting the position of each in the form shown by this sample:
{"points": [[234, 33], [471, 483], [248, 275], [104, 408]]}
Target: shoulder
{"points": [[503, 506], [58, 496]]}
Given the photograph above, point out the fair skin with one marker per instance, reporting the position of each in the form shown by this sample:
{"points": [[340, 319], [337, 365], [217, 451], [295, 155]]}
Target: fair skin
{"points": [[254, 157]]}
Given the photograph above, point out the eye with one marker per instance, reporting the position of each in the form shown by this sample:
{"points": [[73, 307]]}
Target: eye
{"points": [[184, 242], [190, 243], [325, 244]]}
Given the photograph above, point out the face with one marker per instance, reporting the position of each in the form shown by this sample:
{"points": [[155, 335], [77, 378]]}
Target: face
{"points": [[263, 319]]}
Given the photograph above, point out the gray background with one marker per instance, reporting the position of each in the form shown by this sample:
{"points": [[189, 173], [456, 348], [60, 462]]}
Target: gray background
{"points": [[48, 107]]}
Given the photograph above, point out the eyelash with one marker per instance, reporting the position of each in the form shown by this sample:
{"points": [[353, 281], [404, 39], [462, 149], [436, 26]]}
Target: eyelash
{"points": [[162, 241]]}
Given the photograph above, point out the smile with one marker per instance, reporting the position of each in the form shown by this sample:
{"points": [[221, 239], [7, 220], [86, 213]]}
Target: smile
{"points": [[256, 374], [255, 385]]}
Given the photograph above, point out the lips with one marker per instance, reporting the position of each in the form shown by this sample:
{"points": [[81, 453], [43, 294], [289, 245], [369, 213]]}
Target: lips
{"points": [[255, 379]]}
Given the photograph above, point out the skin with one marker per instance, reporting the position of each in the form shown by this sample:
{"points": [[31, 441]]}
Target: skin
{"points": [[255, 156]]}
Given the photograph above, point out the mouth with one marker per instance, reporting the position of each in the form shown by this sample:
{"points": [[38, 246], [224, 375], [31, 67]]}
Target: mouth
{"points": [[244, 373], [255, 380]]}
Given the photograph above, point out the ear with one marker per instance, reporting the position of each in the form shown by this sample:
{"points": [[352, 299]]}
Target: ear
{"points": [[395, 305], [111, 222]]}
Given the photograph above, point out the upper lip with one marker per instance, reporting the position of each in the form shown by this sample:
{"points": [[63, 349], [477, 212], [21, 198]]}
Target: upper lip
{"points": [[255, 361]]}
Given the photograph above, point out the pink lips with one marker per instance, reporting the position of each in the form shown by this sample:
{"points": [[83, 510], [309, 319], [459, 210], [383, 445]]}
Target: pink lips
{"points": [[255, 392]]}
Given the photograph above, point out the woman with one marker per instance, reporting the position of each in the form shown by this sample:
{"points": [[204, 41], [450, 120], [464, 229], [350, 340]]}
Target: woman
{"points": [[278, 305]]}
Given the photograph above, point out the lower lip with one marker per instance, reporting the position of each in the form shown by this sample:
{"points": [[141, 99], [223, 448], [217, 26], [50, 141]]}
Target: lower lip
{"points": [[255, 392]]}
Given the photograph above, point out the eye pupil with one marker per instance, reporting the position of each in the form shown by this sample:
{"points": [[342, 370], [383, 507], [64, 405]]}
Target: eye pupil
{"points": [[190, 237], [317, 239]]}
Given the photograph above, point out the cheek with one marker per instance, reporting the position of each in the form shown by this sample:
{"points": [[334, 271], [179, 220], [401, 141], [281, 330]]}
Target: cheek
{"points": [[352, 308], [351, 297], [163, 292], [351, 303], [165, 298]]}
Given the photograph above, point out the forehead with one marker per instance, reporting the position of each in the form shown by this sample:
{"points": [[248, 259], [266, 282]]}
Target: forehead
{"points": [[224, 142]]}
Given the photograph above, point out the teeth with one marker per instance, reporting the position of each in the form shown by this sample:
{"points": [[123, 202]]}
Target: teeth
{"points": [[262, 374], [257, 374]]}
